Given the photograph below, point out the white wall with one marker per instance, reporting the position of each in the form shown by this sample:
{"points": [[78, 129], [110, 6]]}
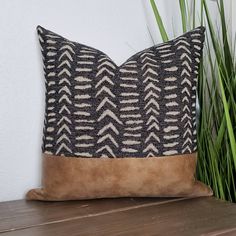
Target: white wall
{"points": [[117, 27]]}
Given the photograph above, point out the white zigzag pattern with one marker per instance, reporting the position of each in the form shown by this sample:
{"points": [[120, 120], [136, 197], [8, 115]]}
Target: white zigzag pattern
{"points": [[186, 82], [92, 94], [106, 109], [130, 103], [152, 106]]}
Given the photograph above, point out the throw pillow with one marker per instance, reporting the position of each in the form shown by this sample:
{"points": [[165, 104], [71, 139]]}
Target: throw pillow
{"points": [[118, 131]]}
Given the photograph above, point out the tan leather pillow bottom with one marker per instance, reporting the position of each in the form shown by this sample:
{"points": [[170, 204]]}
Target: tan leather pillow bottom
{"points": [[70, 178]]}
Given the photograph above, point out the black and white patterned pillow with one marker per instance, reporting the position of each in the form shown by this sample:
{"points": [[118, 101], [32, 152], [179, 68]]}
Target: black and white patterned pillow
{"points": [[142, 108], [103, 120]]}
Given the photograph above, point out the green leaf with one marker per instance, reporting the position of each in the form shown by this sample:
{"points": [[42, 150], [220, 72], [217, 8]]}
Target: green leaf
{"points": [[159, 21], [183, 12], [194, 13], [216, 91], [228, 121], [227, 53]]}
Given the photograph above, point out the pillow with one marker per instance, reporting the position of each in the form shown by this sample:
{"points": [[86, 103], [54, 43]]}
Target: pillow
{"points": [[119, 131]]}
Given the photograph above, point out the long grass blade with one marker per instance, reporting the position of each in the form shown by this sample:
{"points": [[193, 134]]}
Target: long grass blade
{"points": [[159, 21], [194, 14], [216, 90], [227, 52], [228, 121], [183, 12]]}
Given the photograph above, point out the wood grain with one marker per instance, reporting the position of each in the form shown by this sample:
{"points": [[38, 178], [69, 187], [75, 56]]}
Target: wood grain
{"points": [[200, 216], [23, 214]]}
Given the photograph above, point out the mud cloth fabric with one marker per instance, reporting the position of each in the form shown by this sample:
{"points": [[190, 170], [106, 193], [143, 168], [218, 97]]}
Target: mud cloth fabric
{"points": [[120, 130]]}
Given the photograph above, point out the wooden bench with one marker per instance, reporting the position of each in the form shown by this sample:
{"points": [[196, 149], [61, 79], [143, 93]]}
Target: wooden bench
{"points": [[126, 216]]}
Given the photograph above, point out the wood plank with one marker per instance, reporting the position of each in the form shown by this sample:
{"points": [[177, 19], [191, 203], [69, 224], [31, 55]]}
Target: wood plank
{"points": [[22, 214], [224, 232], [201, 216]]}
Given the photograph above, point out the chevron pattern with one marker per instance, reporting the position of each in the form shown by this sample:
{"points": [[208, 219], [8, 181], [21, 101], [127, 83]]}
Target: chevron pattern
{"points": [[151, 99], [143, 108], [109, 121], [129, 100], [64, 136]]}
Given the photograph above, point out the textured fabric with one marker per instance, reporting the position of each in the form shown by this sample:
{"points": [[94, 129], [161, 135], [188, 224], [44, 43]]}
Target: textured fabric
{"points": [[103, 120], [85, 178], [142, 108]]}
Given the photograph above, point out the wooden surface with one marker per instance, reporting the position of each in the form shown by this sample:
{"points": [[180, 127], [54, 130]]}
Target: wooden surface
{"points": [[126, 216]]}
